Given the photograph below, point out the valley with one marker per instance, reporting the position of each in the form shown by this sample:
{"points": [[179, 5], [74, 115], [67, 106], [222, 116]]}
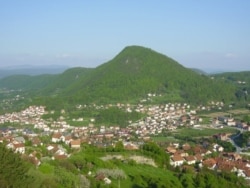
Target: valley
{"points": [[139, 120]]}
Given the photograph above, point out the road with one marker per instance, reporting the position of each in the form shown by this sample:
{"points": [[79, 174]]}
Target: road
{"points": [[238, 149]]}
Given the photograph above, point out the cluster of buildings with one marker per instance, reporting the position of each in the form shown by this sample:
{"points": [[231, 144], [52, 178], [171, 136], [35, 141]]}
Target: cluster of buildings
{"points": [[159, 118], [34, 127], [182, 156]]}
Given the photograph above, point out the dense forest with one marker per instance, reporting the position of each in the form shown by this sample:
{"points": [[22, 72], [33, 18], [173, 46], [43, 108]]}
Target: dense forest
{"points": [[241, 80]]}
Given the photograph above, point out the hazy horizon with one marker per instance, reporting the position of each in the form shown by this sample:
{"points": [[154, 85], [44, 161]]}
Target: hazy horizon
{"points": [[208, 35]]}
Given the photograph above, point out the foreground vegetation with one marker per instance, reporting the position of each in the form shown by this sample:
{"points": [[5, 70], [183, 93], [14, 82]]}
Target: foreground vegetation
{"points": [[85, 169]]}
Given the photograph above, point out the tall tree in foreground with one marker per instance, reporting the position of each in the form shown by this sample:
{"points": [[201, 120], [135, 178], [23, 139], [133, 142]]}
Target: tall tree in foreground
{"points": [[13, 170]]}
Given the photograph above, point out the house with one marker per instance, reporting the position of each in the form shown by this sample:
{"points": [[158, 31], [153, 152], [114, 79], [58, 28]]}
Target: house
{"points": [[52, 148], [56, 137], [207, 152], [170, 150], [19, 148], [232, 156], [107, 180], [76, 144], [218, 148], [59, 157], [131, 146], [190, 159], [186, 147], [68, 139], [19, 139], [221, 136], [176, 160], [247, 174], [36, 141], [198, 157], [33, 159], [209, 163], [231, 122], [181, 153], [226, 166]]}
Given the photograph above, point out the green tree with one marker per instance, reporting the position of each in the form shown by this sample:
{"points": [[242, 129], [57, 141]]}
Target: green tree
{"points": [[119, 146], [13, 170]]}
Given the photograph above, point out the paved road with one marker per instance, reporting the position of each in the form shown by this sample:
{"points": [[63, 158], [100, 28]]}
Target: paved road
{"points": [[238, 149]]}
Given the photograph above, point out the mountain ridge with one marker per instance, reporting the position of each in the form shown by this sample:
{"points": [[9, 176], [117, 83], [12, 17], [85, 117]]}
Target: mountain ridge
{"points": [[30, 70], [131, 75]]}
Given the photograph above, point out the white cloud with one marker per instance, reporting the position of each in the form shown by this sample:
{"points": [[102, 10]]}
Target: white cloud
{"points": [[63, 56], [231, 55]]}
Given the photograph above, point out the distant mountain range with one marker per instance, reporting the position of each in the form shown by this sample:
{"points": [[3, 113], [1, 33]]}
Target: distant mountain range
{"points": [[31, 70], [135, 72]]}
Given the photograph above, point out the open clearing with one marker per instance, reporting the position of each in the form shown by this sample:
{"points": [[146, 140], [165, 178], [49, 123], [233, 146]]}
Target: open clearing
{"points": [[227, 113]]}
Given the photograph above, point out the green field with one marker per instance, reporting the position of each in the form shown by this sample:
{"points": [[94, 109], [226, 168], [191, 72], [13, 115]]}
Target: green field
{"points": [[164, 139], [203, 132], [233, 112]]}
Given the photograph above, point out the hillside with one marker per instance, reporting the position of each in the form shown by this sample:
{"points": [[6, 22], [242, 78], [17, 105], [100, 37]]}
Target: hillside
{"points": [[65, 80], [129, 76], [235, 77], [45, 83], [240, 79], [26, 82], [137, 71]]}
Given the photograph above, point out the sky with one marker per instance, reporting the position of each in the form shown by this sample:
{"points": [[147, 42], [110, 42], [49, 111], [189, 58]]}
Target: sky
{"points": [[211, 35]]}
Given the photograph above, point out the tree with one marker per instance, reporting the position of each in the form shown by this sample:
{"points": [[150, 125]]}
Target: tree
{"points": [[66, 179], [13, 170], [119, 146], [138, 182]]}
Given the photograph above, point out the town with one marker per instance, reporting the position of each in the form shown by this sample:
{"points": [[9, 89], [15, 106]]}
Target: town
{"points": [[62, 139]]}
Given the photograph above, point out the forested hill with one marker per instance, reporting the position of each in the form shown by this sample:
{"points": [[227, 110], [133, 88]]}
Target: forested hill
{"points": [[46, 83], [137, 71], [235, 77], [240, 79], [131, 75]]}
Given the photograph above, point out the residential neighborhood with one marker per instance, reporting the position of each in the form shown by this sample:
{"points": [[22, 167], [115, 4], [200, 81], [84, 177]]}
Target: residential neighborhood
{"points": [[63, 138]]}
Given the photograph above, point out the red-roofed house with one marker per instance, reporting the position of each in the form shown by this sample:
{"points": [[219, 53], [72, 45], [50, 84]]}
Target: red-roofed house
{"points": [[209, 163], [19, 148], [176, 160], [76, 144], [56, 137], [190, 159]]}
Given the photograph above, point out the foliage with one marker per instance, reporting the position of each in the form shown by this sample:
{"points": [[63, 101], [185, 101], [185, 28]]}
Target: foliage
{"points": [[73, 172], [128, 77], [228, 146], [241, 80], [190, 133], [157, 153], [243, 139], [13, 170], [46, 168], [116, 116], [112, 173], [66, 179]]}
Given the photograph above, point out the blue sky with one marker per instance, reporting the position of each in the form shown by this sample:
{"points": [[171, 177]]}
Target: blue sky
{"points": [[211, 35]]}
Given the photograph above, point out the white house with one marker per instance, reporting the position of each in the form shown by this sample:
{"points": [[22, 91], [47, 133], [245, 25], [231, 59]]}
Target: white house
{"points": [[176, 160], [19, 148], [56, 137], [190, 159]]}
